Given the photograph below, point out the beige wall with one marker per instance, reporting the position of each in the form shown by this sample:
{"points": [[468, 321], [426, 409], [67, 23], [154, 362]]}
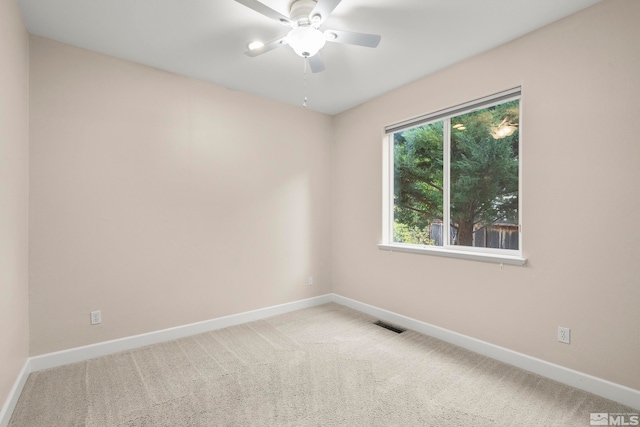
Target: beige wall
{"points": [[163, 200], [14, 195], [581, 149]]}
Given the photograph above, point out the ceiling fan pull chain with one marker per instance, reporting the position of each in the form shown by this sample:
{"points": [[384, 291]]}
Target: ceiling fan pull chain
{"points": [[304, 89]]}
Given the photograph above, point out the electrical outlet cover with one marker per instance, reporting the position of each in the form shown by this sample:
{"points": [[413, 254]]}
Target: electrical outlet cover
{"points": [[96, 317], [564, 335]]}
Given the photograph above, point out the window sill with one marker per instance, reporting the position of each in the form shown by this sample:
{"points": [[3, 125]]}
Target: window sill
{"points": [[476, 256]]}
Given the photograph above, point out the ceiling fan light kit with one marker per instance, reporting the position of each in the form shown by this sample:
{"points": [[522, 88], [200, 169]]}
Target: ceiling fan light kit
{"points": [[257, 44], [305, 38], [331, 36], [306, 41]]}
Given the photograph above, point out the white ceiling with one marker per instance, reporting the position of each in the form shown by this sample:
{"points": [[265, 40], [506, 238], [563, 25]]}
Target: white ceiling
{"points": [[206, 39]]}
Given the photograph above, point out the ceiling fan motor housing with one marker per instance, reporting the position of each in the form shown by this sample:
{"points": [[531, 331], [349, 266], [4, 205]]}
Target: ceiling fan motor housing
{"points": [[300, 11]]}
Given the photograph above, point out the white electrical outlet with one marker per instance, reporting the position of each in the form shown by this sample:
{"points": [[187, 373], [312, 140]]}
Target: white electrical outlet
{"points": [[564, 335], [96, 317], [310, 280]]}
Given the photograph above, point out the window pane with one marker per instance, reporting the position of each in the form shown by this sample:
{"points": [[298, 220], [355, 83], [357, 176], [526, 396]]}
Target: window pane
{"points": [[484, 177], [418, 185]]}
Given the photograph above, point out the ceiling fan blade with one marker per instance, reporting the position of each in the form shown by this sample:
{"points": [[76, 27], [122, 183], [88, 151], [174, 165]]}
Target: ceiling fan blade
{"points": [[348, 37], [266, 11], [267, 47], [323, 9], [316, 63]]}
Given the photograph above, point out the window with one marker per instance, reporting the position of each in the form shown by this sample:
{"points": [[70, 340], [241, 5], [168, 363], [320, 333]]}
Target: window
{"points": [[452, 183]]}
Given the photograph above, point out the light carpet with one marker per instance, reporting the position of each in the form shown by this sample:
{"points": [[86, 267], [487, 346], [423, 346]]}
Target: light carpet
{"points": [[322, 366]]}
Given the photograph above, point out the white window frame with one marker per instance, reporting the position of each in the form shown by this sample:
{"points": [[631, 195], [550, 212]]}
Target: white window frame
{"points": [[502, 256]]}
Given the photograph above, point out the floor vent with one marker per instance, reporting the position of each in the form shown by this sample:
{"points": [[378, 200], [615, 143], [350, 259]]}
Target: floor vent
{"points": [[389, 327]]}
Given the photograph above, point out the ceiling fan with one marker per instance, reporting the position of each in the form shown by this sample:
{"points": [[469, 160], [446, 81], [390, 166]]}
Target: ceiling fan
{"points": [[305, 38]]}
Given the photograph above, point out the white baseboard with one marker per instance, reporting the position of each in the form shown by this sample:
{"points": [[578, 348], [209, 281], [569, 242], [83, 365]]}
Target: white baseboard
{"points": [[78, 354], [14, 394], [607, 389]]}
